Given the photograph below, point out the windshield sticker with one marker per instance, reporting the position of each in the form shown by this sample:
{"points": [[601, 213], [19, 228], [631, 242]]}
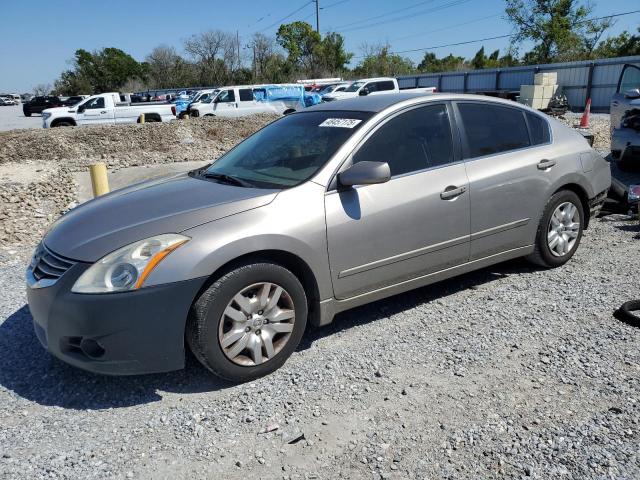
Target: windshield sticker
{"points": [[340, 122]]}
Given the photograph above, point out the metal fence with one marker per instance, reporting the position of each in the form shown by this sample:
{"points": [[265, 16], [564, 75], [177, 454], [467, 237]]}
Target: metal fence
{"points": [[595, 79]]}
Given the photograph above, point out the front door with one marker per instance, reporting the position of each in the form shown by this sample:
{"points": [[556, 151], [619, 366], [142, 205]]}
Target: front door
{"points": [[225, 104], [622, 100], [414, 224], [93, 112]]}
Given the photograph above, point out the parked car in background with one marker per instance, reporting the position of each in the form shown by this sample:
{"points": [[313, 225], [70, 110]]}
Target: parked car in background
{"points": [[107, 108], [4, 102], [74, 100], [332, 88], [367, 86], [40, 103], [323, 210], [625, 117], [240, 101]]}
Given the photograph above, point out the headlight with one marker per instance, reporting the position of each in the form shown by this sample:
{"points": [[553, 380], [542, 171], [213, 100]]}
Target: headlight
{"points": [[127, 268]]}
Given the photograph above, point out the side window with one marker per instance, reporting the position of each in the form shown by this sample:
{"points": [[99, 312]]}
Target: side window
{"points": [[630, 79], [415, 140], [371, 87], [386, 85], [538, 129], [226, 96], [246, 95], [96, 103], [493, 129]]}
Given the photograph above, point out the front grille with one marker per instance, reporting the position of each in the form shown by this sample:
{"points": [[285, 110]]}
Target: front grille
{"points": [[48, 265]]}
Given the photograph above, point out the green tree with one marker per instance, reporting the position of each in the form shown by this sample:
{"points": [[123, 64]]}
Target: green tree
{"points": [[379, 61], [560, 29], [301, 42], [100, 71], [431, 63], [622, 45], [332, 55], [479, 60]]}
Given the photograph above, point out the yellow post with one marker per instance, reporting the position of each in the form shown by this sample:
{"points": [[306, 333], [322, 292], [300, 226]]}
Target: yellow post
{"points": [[99, 180], [141, 119]]}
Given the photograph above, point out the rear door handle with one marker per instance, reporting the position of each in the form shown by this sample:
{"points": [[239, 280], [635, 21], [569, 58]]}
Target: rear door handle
{"points": [[452, 192], [103, 112], [546, 164]]}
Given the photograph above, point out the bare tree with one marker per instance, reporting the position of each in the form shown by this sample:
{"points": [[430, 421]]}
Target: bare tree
{"points": [[263, 50], [167, 69], [42, 89], [216, 54]]}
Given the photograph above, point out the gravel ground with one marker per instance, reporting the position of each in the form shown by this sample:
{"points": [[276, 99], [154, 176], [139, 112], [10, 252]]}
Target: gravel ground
{"points": [[11, 118], [508, 372]]}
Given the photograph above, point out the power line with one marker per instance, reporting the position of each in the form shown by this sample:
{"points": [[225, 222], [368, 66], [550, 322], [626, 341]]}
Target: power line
{"points": [[497, 37], [334, 4], [411, 15], [391, 12], [284, 18], [445, 28]]}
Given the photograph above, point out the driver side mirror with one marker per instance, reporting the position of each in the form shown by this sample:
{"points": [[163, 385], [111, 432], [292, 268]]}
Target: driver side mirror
{"points": [[365, 173], [632, 93], [364, 91], [81, 109]]}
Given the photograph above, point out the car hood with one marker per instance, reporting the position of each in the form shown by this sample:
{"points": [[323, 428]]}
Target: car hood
{"points": [[336, 95], [55, 110], [166, 205]]}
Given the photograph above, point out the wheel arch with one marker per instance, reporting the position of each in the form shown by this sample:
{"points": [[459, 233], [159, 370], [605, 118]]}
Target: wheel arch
{"points": [[292, 262], [57, 121], [582, 195]]}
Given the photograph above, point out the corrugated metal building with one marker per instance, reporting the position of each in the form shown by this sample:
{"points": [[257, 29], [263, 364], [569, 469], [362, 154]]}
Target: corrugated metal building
{"points": [[596, 79]]}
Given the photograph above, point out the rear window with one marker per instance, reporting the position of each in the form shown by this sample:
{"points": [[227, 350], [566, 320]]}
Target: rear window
{"points": [[291, 150], [538, 129], [492, 129], [386, 85]]}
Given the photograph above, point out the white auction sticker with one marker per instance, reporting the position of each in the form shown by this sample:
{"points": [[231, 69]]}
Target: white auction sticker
{"points": [[340, 122]]}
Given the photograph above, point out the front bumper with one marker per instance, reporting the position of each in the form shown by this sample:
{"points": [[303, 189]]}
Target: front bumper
{"points": [[126, 333]]}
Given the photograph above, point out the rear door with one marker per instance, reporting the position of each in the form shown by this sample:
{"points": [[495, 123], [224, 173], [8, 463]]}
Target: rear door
{"points": [[621, 102], [246, 103], [509, 160], [414, 224]]}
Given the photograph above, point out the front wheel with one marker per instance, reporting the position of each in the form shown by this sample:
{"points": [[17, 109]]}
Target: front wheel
{"points": [[248, 322], [559, 231]]}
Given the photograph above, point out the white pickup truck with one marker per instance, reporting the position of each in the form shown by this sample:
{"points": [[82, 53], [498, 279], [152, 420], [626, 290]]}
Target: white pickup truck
{"points": [[107, 109], [372, 86], [240, 101]]}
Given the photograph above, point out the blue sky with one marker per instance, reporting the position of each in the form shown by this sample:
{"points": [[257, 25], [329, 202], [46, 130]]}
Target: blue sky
{"points": [[39, 37]]}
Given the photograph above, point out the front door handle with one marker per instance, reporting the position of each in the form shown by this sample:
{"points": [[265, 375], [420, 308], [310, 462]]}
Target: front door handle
{"points": [[103, 112], [452, 192], [546, 164], [615, 103]]}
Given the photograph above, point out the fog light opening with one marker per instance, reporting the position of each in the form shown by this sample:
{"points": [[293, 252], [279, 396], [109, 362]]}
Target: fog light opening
{"points": [[91, 348]]}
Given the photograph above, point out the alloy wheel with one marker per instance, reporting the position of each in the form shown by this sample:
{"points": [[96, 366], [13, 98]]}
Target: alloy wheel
{"points": [[256, 324], [563, 230]]}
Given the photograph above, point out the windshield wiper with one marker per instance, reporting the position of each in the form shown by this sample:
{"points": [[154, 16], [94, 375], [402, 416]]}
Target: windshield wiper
{"points": [[229, 179]]}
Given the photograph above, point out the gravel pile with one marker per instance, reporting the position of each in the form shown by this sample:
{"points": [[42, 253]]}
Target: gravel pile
{"points": [[36, 166], [510, 372]]}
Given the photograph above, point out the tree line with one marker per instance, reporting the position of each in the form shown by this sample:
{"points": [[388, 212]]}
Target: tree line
{"points": [[561, 30]]}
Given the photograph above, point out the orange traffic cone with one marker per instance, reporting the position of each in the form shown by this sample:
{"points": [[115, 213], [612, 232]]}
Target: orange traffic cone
{"points": [[584, 121]]}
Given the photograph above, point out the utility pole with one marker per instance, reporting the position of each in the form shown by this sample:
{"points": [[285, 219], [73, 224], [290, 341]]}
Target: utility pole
{"points": [[317, 15], [238, 43]]}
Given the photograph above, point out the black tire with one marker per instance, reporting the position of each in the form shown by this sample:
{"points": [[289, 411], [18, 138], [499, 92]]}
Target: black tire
{"points": [[542, 254], [62, 124], [207, 313], [27, 114], [625, 313]]}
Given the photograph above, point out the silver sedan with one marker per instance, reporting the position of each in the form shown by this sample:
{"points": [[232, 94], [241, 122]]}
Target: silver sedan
{"points": [[322, 210]]}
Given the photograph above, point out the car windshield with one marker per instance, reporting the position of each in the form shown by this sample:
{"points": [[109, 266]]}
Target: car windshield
{"points": [[289, 151], [354, 86]]}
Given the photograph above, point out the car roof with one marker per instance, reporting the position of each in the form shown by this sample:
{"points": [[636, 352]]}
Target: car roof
{"points": [[378, 103]]}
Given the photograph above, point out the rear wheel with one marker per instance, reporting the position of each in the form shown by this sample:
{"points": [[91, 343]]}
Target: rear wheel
{"points": [[560, 230], [27, 114], [248, 322]]}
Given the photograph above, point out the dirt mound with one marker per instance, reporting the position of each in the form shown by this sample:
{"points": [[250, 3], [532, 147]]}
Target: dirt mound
{"points": [[36, 166]]}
